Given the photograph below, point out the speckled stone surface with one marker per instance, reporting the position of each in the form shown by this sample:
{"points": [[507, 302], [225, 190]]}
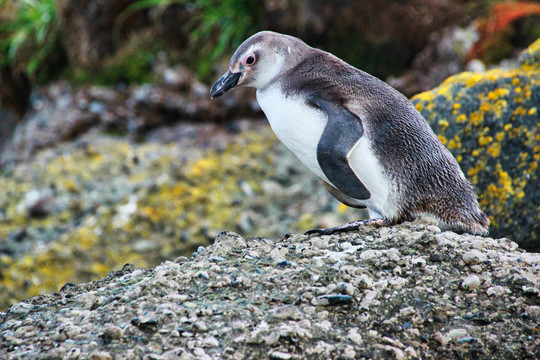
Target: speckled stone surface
{"points": [[401, 292], [490, 122]]}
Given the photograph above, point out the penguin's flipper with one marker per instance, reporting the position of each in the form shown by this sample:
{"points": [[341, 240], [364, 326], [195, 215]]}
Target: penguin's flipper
{"points": [[342, 132]]}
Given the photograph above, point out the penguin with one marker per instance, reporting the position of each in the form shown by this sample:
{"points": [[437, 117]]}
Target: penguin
{"points": [[362, 138]]}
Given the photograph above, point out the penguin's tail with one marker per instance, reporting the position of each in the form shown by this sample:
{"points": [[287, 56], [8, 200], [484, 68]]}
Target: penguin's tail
{"points": [[476, 223], [465, 215], [457, 211]]}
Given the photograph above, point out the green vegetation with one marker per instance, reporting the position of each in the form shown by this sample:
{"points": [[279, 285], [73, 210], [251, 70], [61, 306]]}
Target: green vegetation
{"points": [[30, 39], [28, 36]]}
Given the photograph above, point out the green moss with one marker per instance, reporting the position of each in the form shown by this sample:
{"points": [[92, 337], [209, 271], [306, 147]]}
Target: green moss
{"points": [[29, 39], [495, 117]]}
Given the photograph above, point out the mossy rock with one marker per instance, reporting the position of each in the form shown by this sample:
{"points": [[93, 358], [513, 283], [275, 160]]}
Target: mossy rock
{"points": [[490, 122]]}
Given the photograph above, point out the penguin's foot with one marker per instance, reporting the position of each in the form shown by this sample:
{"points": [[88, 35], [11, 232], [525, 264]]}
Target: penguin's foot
{"points": [[351, 226]]}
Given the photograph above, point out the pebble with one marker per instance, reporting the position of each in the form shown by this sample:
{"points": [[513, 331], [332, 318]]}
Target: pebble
{"points": [[406, 311], [280, 355], [497, 290], [473, 257], [369, 255], [418, 262], [278, 254], [210, 342], [363, 282], [331, 299], [113, 331], [325, 325], [456, 334], [286, 312], [271, 339], [100, 355], [238, 325], [319, 242], [349, 352], [354, 336], [471, 282]]}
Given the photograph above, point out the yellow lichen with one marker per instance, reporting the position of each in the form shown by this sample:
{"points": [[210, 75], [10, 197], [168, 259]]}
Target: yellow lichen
{"points": [[443, 124], [498, 93], [443, 139], [461, 118], [494, 149], [476, 118], [484, 140]]}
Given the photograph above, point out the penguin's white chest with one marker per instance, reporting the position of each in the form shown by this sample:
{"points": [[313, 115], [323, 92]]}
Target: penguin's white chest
{"points": [[300, 128], [296, 125]]}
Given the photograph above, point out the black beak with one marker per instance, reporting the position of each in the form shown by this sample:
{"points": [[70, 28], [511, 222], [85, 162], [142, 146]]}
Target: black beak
{"points": [[225, 83]]}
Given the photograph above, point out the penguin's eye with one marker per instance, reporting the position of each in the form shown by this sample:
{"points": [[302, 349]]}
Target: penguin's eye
{"points": [[250, 60]]}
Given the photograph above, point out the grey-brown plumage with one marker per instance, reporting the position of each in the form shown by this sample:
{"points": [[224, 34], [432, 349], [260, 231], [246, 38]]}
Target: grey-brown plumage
{"points": [[364, 139]]}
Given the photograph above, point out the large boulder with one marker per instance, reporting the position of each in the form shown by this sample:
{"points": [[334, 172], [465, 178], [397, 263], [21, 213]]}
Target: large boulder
{"points": [[408, 291], [490, 123]]}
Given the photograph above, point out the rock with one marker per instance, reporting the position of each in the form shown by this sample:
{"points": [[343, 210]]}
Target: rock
{"points": [[113, 332], [455, 334], [286, 312], [497, 291], [442, 57], [471, 282], [100, 355], [226, 242], [210, 342], [280, 355], [37, 203], [170, 312], [489, 121], [473, 257]]}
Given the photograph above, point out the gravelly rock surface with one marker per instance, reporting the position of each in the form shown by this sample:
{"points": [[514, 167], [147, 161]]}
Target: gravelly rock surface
{"points": [[407, 291]]}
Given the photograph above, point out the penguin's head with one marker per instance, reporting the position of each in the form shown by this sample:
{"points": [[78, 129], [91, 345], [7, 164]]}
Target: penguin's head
{"points": [[259, 60]]}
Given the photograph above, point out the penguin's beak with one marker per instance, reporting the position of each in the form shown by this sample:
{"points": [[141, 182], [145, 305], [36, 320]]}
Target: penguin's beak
{"points": [[225, 83]]}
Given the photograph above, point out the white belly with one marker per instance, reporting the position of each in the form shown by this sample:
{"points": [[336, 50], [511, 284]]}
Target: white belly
{"points": [[300, 127], [296, 125]]}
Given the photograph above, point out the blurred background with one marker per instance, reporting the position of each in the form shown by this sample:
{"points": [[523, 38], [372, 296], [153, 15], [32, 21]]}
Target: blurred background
{"points": [[112, 152]]}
